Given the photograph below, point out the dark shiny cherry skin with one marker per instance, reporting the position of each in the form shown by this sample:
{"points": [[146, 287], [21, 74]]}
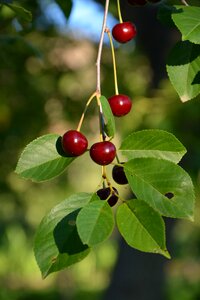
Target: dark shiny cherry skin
{"points": [[124, 32], [120, 105], [103, 153], [74, 143], [119, 175], [107, 192], [154, 1], [137, 2]]}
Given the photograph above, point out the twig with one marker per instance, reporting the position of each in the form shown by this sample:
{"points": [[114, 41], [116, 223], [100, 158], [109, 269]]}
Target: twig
{"points": [[184, 2], [98, 62]]}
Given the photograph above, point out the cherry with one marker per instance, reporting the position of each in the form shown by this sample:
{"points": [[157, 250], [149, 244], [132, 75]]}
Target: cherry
{"points": [[137, 2], [107, 192], [124, 32], [120, 105], [74, 143], [154, 1], [119, 175], [103, 153]]}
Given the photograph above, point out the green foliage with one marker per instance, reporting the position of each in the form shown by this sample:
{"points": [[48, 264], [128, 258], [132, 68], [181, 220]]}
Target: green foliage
{"points": [[95, 222], [187, 19], [184, 59], [41, 161], [66, 6], [153, 143], [110, 121], [142, 227], [57, 244], [84, 220], [22, 13], [151, 179]]}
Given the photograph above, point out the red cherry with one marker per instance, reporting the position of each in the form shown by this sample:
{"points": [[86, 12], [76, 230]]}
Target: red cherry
{"points": [[124, 32], [137, 2], [74, 143], [120, 105], [107, 192], [103, 153]]}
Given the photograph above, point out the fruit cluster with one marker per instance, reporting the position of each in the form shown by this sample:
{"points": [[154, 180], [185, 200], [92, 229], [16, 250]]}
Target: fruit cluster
{"points": [[74, 143]]}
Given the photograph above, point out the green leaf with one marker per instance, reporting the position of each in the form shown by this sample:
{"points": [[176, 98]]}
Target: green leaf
{"points": [[142, 227], [66, 6], [40, 159], [153, 179], [187, 19], [164, 15], [21, 12], [183, 65], [110, 121], [57, 244], [95, 222], [153, 143]]}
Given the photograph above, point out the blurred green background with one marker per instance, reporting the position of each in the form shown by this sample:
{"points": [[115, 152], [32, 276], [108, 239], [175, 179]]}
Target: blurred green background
{"points": [[46, 77]]}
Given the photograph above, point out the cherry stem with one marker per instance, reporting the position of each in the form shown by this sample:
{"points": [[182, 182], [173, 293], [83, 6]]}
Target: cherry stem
{"points": [[184, 3], [117, 158], [101, 119], [98, 62], [114, 61], [84, 112], [119, 11]]}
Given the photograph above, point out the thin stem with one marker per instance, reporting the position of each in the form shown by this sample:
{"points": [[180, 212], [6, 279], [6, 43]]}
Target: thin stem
{"points": [[114, 61], [101, 119], [98, 62], [184, 2], [117, 158], [119, 11], [83, 114]]}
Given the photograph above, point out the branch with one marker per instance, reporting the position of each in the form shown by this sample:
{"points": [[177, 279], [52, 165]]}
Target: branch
{"points": [[184, 2], [98, 62]]}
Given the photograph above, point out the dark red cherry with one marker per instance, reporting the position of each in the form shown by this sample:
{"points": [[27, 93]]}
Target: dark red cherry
{"points": [[107, 192], [137, 2], [120, 105], [119, 175], [103, 153], [74, 143], [154, 1], [124, 32]]}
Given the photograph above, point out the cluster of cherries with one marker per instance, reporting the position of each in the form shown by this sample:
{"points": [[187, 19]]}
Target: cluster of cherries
{"points": [[74, 143]]}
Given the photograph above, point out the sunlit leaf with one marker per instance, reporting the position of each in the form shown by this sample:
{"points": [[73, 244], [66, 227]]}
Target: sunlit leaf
{"points": [[152, 180], [142, 227], [40, 159], [95, 222], [153, 143], [183, 65], [187, 19]]}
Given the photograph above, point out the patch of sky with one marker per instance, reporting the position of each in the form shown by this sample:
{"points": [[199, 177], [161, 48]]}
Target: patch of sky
{"points": [[85, 19]]}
